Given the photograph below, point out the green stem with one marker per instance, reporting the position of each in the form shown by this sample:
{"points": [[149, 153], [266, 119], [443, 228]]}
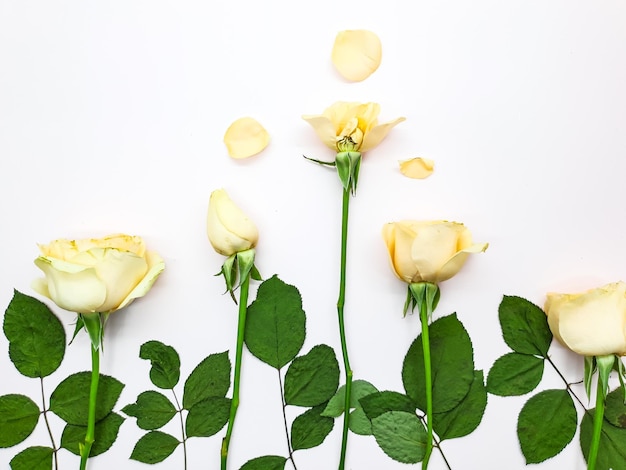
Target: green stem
{"points": [[179, 410], [425, 312], [342, 329], [234, 404], [91, 419], [45, 418], [597, 426]]}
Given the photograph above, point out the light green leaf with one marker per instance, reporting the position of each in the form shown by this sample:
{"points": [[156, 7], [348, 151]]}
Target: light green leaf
{"points": [[152, 410], [36, 336], [452, 365], [164, 361], [524, 326], [359, 423], [615, 409], [275, 324], [207, 417], [337, 404], [33, 458], [514, 374], [267, 462], [310, 428], [154, 447], [612, 451], [400, 435], [211, 378], [105, 435], [70, 400], [18, 418], [312, 379], [376, 404], [546, 424]]}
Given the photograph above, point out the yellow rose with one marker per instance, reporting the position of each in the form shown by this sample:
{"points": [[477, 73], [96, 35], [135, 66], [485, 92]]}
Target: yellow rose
{"points": [[431, 251], [229, 229], [358, 122], [96, 275], [592, 323]]}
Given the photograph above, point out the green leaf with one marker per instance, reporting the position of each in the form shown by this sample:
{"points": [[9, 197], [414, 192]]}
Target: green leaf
{"points": [[152, 410], [376, 404], [36, 336], [207, 417], [164, 361], [612, 451], [359, 423], [70, 400], [154, 447], [464, 418], [211, 378], [524, 326], [267, 462], [546, 424], [615, 409], [514, 374], [400, 435], [312, 379], [18, 418], [452, 365], [337, 404], [310, 428], [275, 324], [33, 458], [105, 435]]}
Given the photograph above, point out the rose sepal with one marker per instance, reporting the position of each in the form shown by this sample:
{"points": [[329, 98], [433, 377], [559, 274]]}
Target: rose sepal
{"points": [[422, 294], [348, 165], [238, 267], [94, 326]]}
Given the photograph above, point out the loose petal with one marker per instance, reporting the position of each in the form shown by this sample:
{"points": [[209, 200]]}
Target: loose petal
{"points": [[417, 168], [245, 137], [356, 54]]}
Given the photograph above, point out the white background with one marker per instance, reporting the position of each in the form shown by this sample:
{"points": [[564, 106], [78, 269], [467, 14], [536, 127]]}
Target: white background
{"points": [[111, 120]]}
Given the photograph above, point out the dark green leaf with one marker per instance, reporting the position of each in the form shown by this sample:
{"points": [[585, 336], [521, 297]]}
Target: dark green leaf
{"points": [[464, 418], [615, 409], [275, 325], [18, 418], [376, 404], [152, 410], [267, 462], [524, 326], [612, 451], [546, 424], [310, 428], [154, 447], [452, 365], [207, 417], [105, 435], [336, 405], [400, 435], [36, 336], [514, 374], [211, 378], [312, 379], [70, 400], [33, 458], [164, 361]]}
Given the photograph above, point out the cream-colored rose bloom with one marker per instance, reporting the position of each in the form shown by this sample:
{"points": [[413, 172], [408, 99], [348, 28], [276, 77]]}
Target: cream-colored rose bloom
{"points": [[96, 274], [429, 251], [355, 120], [229, 229], [592, 323], [356, 54]]}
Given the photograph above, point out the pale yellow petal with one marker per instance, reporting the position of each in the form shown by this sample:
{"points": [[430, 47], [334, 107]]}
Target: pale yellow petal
{"points": [[356, 54], [245, 137], [454, 264], [377, 134], [229, 229], [156, 265], [417, 168], [324, 128]]}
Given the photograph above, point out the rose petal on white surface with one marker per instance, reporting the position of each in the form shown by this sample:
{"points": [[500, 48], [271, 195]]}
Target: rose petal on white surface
{"points": [[245, 137], [356, 54], [417, 168]]}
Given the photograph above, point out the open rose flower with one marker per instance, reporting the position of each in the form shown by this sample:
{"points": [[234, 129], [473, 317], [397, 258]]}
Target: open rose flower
{"points": [[96, 274], [428, 251], [592, 323], [228, 228], [354, 121]]}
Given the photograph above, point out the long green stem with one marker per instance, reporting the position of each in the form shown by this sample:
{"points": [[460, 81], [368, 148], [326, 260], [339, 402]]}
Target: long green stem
{"points": [[179, 410], [234, 404], [91, 418], [428, 381], [597, 426], [342, 328], [45, 418]]}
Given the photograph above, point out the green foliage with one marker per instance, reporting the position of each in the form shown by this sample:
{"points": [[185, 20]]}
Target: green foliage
{"points": [[207, 417], [154, 447], [36, 336], [312, 379], [18, 418], [515, 374], [612, 451], [210, 378], [452, 365], [105, 435], [275, 324], [546, 424], [70, 400], [524, 326], [33, 458], [615, 408], [400, 435], [378, 403], [165, 364], [267, 462], [359, 422], [310, 428], [152, 410]]}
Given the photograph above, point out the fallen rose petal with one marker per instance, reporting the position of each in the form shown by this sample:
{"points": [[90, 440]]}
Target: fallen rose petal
{"points": [[245, 137], [356, 54], [417, 168]]}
